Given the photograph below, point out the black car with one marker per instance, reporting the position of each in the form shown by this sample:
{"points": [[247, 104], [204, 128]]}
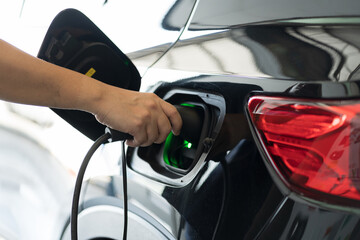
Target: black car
{"points": [[270, 149]]}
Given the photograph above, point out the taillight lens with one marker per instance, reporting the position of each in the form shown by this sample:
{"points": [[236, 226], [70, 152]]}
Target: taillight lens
{"points": [[313, 145]]}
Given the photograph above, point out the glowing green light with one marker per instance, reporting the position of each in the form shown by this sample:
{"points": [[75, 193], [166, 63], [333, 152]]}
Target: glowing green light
{"points": [[187, 144], [174, 148], [187, 105], [167, 147]]}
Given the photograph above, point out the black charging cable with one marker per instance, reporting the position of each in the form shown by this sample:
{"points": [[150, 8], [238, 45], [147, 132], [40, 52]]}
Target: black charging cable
{"points": [[109, 136], [125, 197]]}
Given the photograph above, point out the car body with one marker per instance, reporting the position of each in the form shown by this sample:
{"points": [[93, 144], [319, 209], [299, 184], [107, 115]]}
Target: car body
{"points": [[233, 61]]}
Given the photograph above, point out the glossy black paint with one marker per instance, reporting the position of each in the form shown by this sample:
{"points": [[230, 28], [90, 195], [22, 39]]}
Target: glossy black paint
{"points": [[281, 63], [283, 51], [299, 221], [224, 194]]}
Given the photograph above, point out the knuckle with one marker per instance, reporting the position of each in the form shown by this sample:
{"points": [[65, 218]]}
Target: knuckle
{"points": [[152, 105], [137, 124], [172, 112], [145, 116]]}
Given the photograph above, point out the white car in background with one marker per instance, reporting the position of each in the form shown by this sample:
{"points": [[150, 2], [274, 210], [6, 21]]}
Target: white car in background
{"points": [[33, 182]]}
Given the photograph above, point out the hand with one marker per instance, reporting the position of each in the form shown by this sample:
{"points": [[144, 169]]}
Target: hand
{"points": [[145, 116]]}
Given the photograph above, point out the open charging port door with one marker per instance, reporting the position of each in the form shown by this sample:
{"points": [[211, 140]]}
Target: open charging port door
{"points": [[73, 41], [179, 158]]}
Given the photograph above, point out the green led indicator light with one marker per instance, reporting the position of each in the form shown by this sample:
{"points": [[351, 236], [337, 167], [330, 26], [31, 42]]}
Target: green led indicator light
{"points": [[187, 144], [174, 148]]}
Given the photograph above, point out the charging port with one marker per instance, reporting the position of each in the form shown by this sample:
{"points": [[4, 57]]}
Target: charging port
{"points": [[179, 158], [180, 151]]}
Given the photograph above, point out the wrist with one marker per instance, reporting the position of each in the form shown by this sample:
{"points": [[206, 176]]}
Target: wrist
{"points": [[98, 97], [92, 93]]}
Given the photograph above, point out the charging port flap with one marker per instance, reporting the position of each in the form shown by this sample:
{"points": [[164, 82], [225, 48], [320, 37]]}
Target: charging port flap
{"points": [[73, 41]]}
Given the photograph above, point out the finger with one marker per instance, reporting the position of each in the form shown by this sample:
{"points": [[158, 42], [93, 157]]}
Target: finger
{"points": [[132, 143], [164, 128], [173, 116], [152, 133], [136, 141], [139, 136]]}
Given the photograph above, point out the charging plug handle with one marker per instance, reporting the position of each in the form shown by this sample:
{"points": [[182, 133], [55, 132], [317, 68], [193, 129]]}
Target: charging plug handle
{"points": [[192, 119], [117, 135]]}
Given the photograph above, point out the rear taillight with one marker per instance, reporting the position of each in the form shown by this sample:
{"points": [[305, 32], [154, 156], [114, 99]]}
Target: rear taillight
{"points": [[313, 145]]}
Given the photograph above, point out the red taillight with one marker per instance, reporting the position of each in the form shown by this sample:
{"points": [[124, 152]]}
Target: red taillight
{"points": [[313, 145]]}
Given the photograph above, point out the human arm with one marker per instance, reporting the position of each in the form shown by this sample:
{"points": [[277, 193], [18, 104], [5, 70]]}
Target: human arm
{"points": [[29, 80]]}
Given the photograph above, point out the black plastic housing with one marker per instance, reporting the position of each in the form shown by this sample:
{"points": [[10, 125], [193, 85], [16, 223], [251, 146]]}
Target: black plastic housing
{"points": [[73, 41]]}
